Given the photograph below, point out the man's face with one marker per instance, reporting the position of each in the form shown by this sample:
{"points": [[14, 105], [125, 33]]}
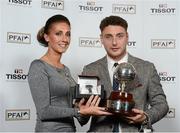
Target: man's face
{"points": [[114, 38]]}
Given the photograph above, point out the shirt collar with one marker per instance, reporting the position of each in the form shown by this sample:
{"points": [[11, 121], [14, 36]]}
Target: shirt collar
{"points": [[111, 62]]}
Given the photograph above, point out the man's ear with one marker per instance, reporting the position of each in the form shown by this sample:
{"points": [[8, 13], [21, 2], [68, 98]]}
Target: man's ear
{"points": [[101, 38], [127, 34]]}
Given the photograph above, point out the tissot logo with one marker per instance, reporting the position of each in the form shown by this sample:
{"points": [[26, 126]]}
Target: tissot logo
{"points": [[123, 9], [53, 4], [14, 37], [171, 113], [167, 78], [163, 9], [20, 2], [131, 44], [17, 75], [89, 42], [163, 43], [90, 6], [17, 114]]}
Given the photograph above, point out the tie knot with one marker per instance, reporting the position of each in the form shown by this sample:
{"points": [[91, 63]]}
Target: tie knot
{"points": [[115, 64]]}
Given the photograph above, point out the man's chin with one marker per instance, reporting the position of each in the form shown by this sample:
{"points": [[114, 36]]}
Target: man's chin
{"points": [[117, 56]]}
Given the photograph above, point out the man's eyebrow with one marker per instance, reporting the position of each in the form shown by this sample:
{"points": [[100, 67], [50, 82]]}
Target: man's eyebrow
{"points": [[121, 33], [108, 34]]}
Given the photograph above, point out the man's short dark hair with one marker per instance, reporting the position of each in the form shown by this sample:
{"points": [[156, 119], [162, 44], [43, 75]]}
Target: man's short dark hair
{"points": [[113, 20]]}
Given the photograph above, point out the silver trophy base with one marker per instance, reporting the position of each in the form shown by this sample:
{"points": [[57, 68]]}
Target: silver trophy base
{"points": [[120, 107]]}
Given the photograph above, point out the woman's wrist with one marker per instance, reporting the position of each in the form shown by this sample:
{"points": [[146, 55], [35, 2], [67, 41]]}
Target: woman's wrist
{"points": [[77, 112]]}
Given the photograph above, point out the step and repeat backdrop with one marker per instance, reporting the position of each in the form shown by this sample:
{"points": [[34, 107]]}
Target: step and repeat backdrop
{"points": [[153, 35]]}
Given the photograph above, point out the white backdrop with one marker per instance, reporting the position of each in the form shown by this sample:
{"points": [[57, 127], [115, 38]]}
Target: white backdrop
{"points": [[154, 35]]}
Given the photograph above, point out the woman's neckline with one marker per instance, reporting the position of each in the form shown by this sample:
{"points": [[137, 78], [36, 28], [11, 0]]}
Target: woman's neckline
{"points": [[58, 68]]}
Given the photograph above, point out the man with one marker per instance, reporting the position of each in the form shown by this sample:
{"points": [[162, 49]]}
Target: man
{"points": [[150, 100]]}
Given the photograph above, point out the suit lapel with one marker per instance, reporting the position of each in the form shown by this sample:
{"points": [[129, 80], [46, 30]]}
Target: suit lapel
{"points": [[105, 73]]}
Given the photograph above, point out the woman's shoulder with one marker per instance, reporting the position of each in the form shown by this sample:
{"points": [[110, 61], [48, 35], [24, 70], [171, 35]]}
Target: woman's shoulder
{"points": [[37, 66], [37, 63]]}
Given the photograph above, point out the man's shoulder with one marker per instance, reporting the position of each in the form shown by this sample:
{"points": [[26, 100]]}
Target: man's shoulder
{"points": [[97, 62], [138, 60]]}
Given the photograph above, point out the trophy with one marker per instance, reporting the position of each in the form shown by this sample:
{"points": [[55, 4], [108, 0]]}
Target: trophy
{"points": [[120, 101]]}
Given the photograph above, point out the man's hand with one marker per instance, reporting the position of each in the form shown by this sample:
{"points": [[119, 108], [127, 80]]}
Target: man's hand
{"points": [[139, 118]]}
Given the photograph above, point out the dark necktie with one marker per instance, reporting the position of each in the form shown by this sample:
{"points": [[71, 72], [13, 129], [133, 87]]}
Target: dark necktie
{"points": [[115, 81], [115, 88]]}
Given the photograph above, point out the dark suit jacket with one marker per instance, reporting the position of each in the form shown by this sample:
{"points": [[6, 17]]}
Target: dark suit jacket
{"points": [[148, 97]]}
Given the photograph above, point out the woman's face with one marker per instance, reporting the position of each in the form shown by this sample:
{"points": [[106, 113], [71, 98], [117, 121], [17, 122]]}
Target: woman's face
{"points": [[58, 37]]}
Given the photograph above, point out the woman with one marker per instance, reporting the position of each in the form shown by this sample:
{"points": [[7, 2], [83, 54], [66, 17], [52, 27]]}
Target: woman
{"points": [[50, 82]]}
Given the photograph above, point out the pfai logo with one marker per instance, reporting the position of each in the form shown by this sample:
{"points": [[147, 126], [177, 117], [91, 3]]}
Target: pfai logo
{"points": [[53, 4], [89, 42], [17, 114], [170, 113], [123, 9], [163, 43], [22, 38]]}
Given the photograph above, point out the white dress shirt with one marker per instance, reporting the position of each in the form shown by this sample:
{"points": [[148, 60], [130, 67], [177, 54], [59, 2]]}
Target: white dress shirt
{"points": [[111, 67]]}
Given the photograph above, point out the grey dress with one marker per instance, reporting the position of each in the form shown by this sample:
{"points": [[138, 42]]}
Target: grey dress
{"points": [[50, 87]]}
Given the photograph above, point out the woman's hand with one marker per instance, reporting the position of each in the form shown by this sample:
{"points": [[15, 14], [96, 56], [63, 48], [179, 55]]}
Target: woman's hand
{"points": [[91, 107]]}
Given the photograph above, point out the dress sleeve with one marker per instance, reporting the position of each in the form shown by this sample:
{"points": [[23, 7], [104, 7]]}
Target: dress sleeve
{"points": [[39, 86]]}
